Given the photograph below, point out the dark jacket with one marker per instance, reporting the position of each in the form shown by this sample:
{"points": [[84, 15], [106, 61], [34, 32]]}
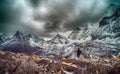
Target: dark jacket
{"points": [[78, 53]]}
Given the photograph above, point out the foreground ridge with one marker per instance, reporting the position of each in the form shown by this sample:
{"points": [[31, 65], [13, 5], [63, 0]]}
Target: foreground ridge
{"points": [[20, 63]]}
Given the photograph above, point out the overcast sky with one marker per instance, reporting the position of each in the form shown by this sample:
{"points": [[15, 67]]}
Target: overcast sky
{"points": [[44, 17]]}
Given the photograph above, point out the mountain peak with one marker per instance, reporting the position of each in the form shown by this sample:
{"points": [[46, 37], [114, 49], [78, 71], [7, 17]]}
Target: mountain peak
{"points": [[77, 28], [18, 32], [59, 39], [18, 35]]}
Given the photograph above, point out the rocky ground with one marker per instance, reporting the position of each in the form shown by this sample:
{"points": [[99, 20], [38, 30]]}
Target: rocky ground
{"points": [[11, 63]]}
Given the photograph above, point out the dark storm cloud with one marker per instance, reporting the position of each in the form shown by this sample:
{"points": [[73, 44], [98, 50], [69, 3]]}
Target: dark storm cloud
{"points": [[35, 3], [71, 14], [46, 16]]}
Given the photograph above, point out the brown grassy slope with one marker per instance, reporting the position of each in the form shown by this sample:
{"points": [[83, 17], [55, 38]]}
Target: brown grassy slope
{"points": [[32, 64]]}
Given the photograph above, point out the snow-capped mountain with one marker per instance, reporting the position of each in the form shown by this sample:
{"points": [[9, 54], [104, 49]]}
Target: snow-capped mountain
{"points": [[35, 40], [18, 43], [105, 39], [19, 36], [81, 33], [59, 39], [109, 27]]}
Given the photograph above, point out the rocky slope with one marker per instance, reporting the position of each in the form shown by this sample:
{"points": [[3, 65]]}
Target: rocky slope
{"points": [[11, 63]]}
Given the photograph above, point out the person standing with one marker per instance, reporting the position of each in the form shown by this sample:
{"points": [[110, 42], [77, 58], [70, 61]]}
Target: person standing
{"points": [[78, 53]]}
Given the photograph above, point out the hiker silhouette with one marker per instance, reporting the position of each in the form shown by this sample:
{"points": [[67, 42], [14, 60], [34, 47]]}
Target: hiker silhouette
{"points": [[78, 53]]}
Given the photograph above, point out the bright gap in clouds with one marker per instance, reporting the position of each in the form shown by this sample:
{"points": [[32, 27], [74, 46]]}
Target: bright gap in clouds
{"points": [[27, 15], [43, 10]]}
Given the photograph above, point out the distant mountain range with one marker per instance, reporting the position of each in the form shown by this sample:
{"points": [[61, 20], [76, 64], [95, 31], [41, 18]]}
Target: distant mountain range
{"points": [[101, 42]]}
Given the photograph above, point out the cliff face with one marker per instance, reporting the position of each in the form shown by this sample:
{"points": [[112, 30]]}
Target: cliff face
{"points": [[109, 27]]}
